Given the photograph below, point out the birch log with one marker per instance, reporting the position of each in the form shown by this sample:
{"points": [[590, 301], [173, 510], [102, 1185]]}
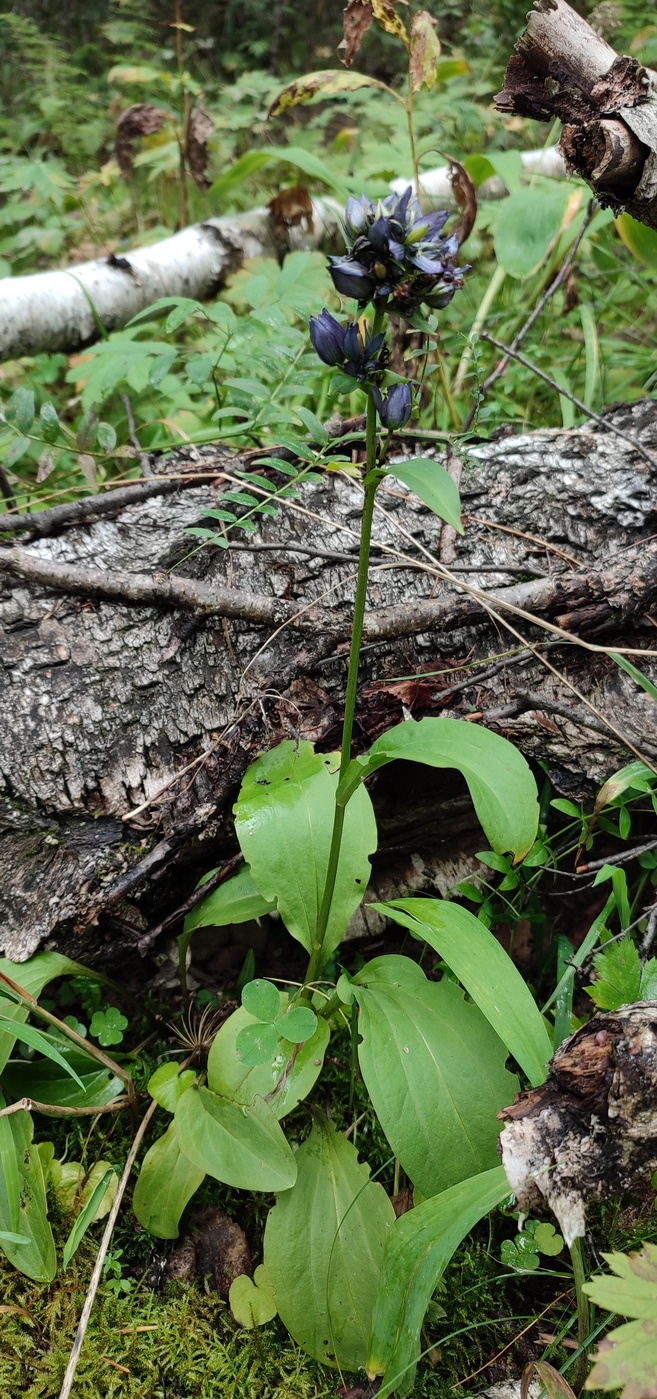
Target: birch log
{"points": [[608, 105], [60, 310]]}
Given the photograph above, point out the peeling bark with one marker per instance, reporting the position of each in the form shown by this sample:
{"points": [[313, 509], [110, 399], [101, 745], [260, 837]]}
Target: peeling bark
{"points": [[60, 310], [608, 105], [131, 720]]}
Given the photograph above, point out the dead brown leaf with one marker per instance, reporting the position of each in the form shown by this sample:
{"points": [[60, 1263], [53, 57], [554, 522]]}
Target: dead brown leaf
{"points": [[556, 1387], [358, 18], [466, 198], [424, 52], [199, 131], [143, 119]]}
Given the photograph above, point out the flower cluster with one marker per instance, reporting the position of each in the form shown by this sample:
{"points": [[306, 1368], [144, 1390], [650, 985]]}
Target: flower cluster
{"points": [[350, 348], [396, 251]]}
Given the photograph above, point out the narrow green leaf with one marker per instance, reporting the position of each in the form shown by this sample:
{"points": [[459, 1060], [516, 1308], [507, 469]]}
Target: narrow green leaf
{"points": [[324, 1245], [434, 485], [434, 1070], [165, 1185], [418, 1250], [643, 680], [487, 973], [36, 1039], [241, 1146], [500, 780], [86, 1217], [22, 1180], [284, 820]]}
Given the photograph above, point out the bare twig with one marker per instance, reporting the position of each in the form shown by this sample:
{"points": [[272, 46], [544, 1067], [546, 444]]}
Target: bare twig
{"points": [[81, 1332], [549, 292], [622, 858], [195, 898], [44, 522], [51, 1110], [606, 423]]}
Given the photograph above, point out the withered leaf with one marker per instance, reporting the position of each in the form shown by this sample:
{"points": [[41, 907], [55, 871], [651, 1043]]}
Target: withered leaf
{"points": [[358, 18], [327, 82], [199, 131], [466, 198], [424, 53], [555, 1385], [384, 11], [143, 119]]}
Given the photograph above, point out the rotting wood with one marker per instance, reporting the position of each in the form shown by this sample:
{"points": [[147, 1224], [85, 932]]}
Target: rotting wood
{"points": [[607, 103], [130, 723]]}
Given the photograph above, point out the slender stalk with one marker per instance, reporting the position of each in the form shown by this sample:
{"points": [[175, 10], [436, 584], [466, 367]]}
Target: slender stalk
{"points": [[411, 135], [371, 483], [583, 1318]]}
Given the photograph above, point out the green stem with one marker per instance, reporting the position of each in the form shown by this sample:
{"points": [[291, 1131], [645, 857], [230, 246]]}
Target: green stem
{"points": [[371, 483], [583, 1320]]}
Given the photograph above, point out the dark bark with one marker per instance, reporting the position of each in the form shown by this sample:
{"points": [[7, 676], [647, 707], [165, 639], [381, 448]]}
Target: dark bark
{"points": [[131, 713], [608, 105]]}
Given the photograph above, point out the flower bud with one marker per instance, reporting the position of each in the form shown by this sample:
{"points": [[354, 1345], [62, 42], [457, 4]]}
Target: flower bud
{"points": [[395, 409], [328, 338]]}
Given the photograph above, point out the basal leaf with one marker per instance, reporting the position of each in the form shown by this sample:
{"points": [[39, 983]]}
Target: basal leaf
{"points": [[324, 1244], [237, 900], [168, 1084], [487, 973], [284, 1080], [36, 1039], [434, 1070], [284, 820], [22, 1184], [165, 1185], [417, 1252], [500, 780], [48, 1083], [241, 1146], [433, 484], [87, 1216]]}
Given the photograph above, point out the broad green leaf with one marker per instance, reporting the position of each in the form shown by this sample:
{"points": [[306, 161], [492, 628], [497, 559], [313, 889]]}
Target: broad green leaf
{"points": [[87, 1216], [500, 780], [48, 1083], [32, 976], [284, 820], [253, 161], [165, 1185], [329, 82], [620, 979], [417, 1253], [235, 901], [168, 1084], [324, 1244], [433, 484], [262, 1000], [434, 1070], [241, 1146], [20, 409], [256, 1044], [252, 1302], [527, 224], [628, 1354], [641, 240], [23, 1207], [487, 973], [298, 1024], [284, 1080]]}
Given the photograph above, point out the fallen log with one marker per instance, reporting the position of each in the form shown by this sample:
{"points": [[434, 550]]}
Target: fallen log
{"points": [[607, 102], [141, 675]]}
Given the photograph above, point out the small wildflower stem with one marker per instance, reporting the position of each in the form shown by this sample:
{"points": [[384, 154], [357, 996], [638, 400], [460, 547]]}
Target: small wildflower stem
{"points": [[411, 135], [371, 483], [583, 1320]]}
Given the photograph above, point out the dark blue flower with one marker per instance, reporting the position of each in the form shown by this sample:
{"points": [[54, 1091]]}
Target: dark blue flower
{"points": [[394, 250], [395, 409], [350, 348]]}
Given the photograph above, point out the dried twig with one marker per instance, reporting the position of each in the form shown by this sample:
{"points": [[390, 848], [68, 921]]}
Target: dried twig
{"points": [[51, 1110], [81, 1332]]}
